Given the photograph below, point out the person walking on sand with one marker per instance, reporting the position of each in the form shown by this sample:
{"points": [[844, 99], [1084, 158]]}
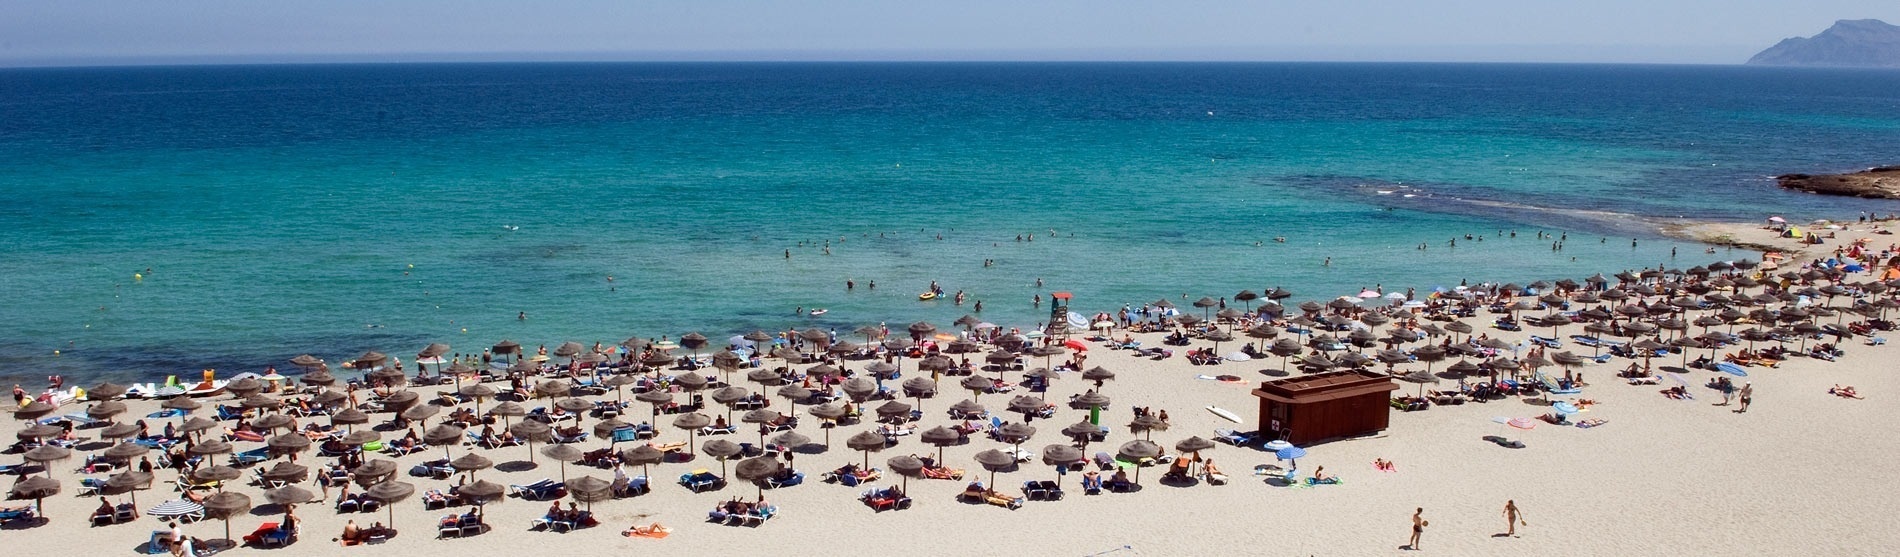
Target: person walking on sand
{"points": [[1418, 527], [1512, 518], [1748, 394]]}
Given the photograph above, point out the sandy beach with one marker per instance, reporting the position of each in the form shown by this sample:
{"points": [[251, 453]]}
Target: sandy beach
{"points": [[1802, 472]]}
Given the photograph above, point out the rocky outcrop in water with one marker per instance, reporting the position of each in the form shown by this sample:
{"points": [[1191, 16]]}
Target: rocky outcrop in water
{"points": [[1864, 43], [1875, 183]]}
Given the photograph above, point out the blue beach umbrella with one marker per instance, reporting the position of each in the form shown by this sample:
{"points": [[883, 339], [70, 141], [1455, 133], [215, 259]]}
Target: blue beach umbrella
{"points": [[1292, 454], [1731, 369], [1565, 407]]}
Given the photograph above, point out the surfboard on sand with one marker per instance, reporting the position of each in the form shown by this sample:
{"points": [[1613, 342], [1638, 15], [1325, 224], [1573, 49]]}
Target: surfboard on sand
{"points": [[1224, 414]]}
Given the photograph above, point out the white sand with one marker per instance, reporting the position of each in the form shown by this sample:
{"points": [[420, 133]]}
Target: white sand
{"points": [[1803, 472]]}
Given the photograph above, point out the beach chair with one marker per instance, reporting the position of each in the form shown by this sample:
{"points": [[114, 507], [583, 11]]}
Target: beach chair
{"points": [[540, 490], [434, 499], [628, 434], [635, 486], [252, 456], [775, 482], [701, 480], [1104, 461], [1235, 438]]}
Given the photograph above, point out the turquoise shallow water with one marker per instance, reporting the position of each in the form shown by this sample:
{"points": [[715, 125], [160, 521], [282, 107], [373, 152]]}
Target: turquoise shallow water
{"points": [[281, 208]]}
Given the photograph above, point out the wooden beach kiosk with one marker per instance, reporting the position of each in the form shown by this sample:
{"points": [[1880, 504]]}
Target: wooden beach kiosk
{"points": [[1322, 406]]}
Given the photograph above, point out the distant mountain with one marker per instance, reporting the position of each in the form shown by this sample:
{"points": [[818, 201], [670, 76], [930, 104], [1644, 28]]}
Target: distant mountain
{"points": [[1867, 43]]}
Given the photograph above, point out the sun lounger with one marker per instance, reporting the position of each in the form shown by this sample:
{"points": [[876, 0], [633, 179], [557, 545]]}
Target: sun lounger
{"points": [[794, 479], [542, 490], [887, 498], [701, 480]]}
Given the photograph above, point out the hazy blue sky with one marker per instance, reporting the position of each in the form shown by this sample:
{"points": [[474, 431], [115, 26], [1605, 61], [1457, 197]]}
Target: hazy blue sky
{"points": [[34, 32]]}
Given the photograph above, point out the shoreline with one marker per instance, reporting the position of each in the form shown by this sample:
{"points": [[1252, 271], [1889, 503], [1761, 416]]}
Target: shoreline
{"points": [[1676, 456]]}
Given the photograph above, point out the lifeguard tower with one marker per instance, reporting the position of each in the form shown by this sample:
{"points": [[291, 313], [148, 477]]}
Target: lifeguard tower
{"points": [[1058, 327]]}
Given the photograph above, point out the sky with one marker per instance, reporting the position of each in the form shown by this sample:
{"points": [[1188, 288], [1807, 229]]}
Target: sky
{"points": [[95, 32]]}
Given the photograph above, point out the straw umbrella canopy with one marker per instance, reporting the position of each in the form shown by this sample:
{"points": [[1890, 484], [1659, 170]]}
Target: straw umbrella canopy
{"points": [[389, 493], [245, 387], [34, 410], [588, 489], [894, 410], [968, 407], [866, 441], [1147, 424], [794, 393], [289, 496], [320, 378], [126, 451], [616, 382], [349, 417], [443, 435], [906, 466], [721, 449], [47, 454], [273, 422], [563, 454], [215, 473], [369, 473], [1137, 450], [730, 396], [764, 377], [360, 437], [480, 491], [40, 431], [507, 410], [936, 364], [1098, 374], [918, 388], [760, 416], [756, 470], [1048, 352], [941, 437], [287, 444], [831, 413], [859, 389], [881, 370], [574, 405], [1015, 434], [119, 430], [1028, 406], [287, 472], [645, 455], [1061, 456], [105, 392], [129, 482], [994, 460], [261, 402], [691, 422], [37, 488], [531, 431], [1094, 401], [552, 388], [210, 449], [422, 412], [791, 440], [197, 424], [184, 404], [977, 384], [329, 397], [470, 463], [225, 505]]}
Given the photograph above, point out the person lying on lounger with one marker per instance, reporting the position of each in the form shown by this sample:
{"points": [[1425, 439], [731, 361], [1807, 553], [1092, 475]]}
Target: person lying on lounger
{"points": [[648, 530], [1844, 392]]}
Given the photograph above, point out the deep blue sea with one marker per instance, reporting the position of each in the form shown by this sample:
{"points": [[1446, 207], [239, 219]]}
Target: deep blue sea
{"points": [[333, 209]]}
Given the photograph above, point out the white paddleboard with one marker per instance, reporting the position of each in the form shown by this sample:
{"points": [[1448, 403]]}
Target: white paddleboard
{"points": [[1223, 413]]}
